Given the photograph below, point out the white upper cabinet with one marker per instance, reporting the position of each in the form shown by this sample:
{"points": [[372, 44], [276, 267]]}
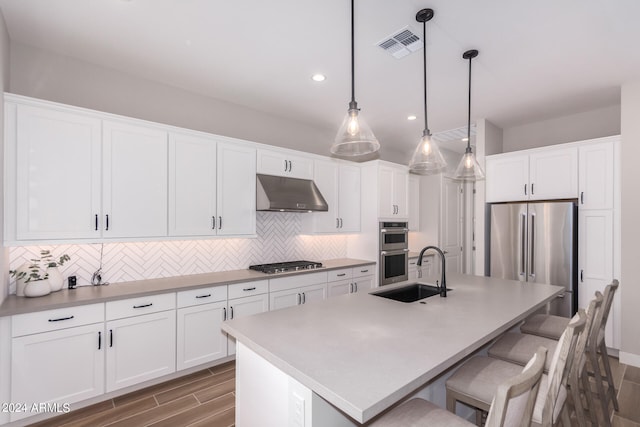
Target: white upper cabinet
{"points": [[134, 195], [211, 187], [281, 163], [596, 175], [553, 174], [339, 184], [192, 185], [414, 202], [393, 187], [541, 174], [57, 173], [236, 189]]}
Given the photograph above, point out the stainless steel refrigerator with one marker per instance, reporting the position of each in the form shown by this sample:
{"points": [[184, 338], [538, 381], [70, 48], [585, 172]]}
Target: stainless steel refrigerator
{"points": [[536, 242]]}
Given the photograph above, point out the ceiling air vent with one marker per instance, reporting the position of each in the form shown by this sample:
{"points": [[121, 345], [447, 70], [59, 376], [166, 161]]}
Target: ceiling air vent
{"points": [[401, 43]]}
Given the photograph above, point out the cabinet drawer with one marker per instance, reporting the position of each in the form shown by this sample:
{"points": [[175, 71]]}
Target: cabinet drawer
{"points": [[140, 305], [297, 280], [201, 296], [343, 273], [364, 270], [239, 290], [52, 320]]}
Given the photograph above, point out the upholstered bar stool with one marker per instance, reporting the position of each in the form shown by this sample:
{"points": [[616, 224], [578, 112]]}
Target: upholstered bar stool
{"points": [[512, 405], [477, 380]]}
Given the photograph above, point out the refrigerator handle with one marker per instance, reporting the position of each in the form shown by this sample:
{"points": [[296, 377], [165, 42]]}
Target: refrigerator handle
{"points": [[523, 239], [532, 249]]}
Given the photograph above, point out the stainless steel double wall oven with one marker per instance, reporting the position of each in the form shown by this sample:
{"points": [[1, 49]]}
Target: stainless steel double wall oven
{"points": [[394, 252]]}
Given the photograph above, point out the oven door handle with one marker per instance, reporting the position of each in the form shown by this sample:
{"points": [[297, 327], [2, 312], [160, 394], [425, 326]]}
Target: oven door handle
{"points": [[393, 252]]}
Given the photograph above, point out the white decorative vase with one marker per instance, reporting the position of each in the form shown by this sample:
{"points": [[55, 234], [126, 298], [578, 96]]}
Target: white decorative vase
{"points": [[20, 283], [55, 279], [37, 288]]}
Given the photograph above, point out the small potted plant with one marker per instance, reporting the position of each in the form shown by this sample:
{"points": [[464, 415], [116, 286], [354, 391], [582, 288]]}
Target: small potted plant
{"points": [[40, 276]]}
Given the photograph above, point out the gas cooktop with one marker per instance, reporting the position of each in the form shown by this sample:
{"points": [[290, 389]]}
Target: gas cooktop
{"points": [[282, 267]]}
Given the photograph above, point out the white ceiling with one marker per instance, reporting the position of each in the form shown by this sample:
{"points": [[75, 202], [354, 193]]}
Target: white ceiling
{"points": [[538, 59]]}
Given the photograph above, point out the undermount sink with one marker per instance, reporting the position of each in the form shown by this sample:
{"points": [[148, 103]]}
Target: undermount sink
{"points": [[410, 293]]}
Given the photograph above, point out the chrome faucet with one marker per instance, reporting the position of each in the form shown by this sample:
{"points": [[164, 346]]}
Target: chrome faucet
{"points": [[443, 280]]}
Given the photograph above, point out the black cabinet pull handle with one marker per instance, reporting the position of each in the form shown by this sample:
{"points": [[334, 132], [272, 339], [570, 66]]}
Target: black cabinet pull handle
{"points": [[582, 275], [525, 189], [59, 319], [356, 286], [99, 340], [337, 223], [285, 165], [213, 222], [298, 299], [532, 184], [582, 197], [110, 337], [143, 305], [249, 289], [96, 222], [341, 274], [350, 288], [203, 296], [367, 270], [224, 313], [340, 222], [231, 312], [107, 224], [219, 223]]}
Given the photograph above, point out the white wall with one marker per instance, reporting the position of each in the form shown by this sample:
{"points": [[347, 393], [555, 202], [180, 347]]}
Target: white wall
{"points": [[4, 84], [576, 127], [46, 75], [630, 229]]}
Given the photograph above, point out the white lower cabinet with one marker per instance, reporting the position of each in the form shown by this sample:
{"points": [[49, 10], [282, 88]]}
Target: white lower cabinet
{"points": [[426, 270], [297, 296], [199, 319], [57, 357], [350, 280], [246, 306], [140, 347]]}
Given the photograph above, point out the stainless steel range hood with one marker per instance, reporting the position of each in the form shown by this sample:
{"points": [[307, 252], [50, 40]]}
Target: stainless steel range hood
{"points": [[280, 194]]}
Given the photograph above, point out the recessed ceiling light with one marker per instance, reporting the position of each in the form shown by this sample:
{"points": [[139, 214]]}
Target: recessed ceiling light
{"points": [[411, 117], [318, 77]]}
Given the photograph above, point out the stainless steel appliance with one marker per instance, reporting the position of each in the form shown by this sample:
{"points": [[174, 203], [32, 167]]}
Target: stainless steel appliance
{"points": [[283, 267], [283, 194], [536, 242], [394, 252]]}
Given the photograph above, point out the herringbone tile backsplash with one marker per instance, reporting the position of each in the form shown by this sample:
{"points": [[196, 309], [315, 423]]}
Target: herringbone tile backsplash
{"points": [[278, 240]]}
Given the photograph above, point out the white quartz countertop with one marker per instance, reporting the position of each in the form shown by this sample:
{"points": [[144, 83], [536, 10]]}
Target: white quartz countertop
{"points": [[362, 353], [92, 294]]}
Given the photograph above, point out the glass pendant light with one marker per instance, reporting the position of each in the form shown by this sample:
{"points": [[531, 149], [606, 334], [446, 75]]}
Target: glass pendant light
{"points": [[469, 169], [354, 138], [426, 159]]}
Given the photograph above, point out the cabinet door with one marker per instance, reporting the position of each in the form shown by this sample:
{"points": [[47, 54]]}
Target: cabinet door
{"points": [[192, 186], [326, 176], [341, 287], [451, 222], [507, 177], [363, 284], [596, 175], [313, 293], [140, 348], [58, 174], [63, 366], [553, 174], [349, 198], [236, 189], [246, 306], [199, 338], [400, 193], [134, 180], [284, 164], [386, 204], [284, 299], [595, 253], [414, 203]]}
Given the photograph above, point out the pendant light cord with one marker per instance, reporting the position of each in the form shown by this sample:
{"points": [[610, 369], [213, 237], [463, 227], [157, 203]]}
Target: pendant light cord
{"points": [[469, 115], [353, 103], [424, 59]]}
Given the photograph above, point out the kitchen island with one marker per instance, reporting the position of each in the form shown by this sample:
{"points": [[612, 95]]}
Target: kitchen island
{"points": [[345, 360]]}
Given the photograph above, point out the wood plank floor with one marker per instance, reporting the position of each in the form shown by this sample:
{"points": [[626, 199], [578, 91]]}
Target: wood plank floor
{"points": [[207, 398], [204, 398]]}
